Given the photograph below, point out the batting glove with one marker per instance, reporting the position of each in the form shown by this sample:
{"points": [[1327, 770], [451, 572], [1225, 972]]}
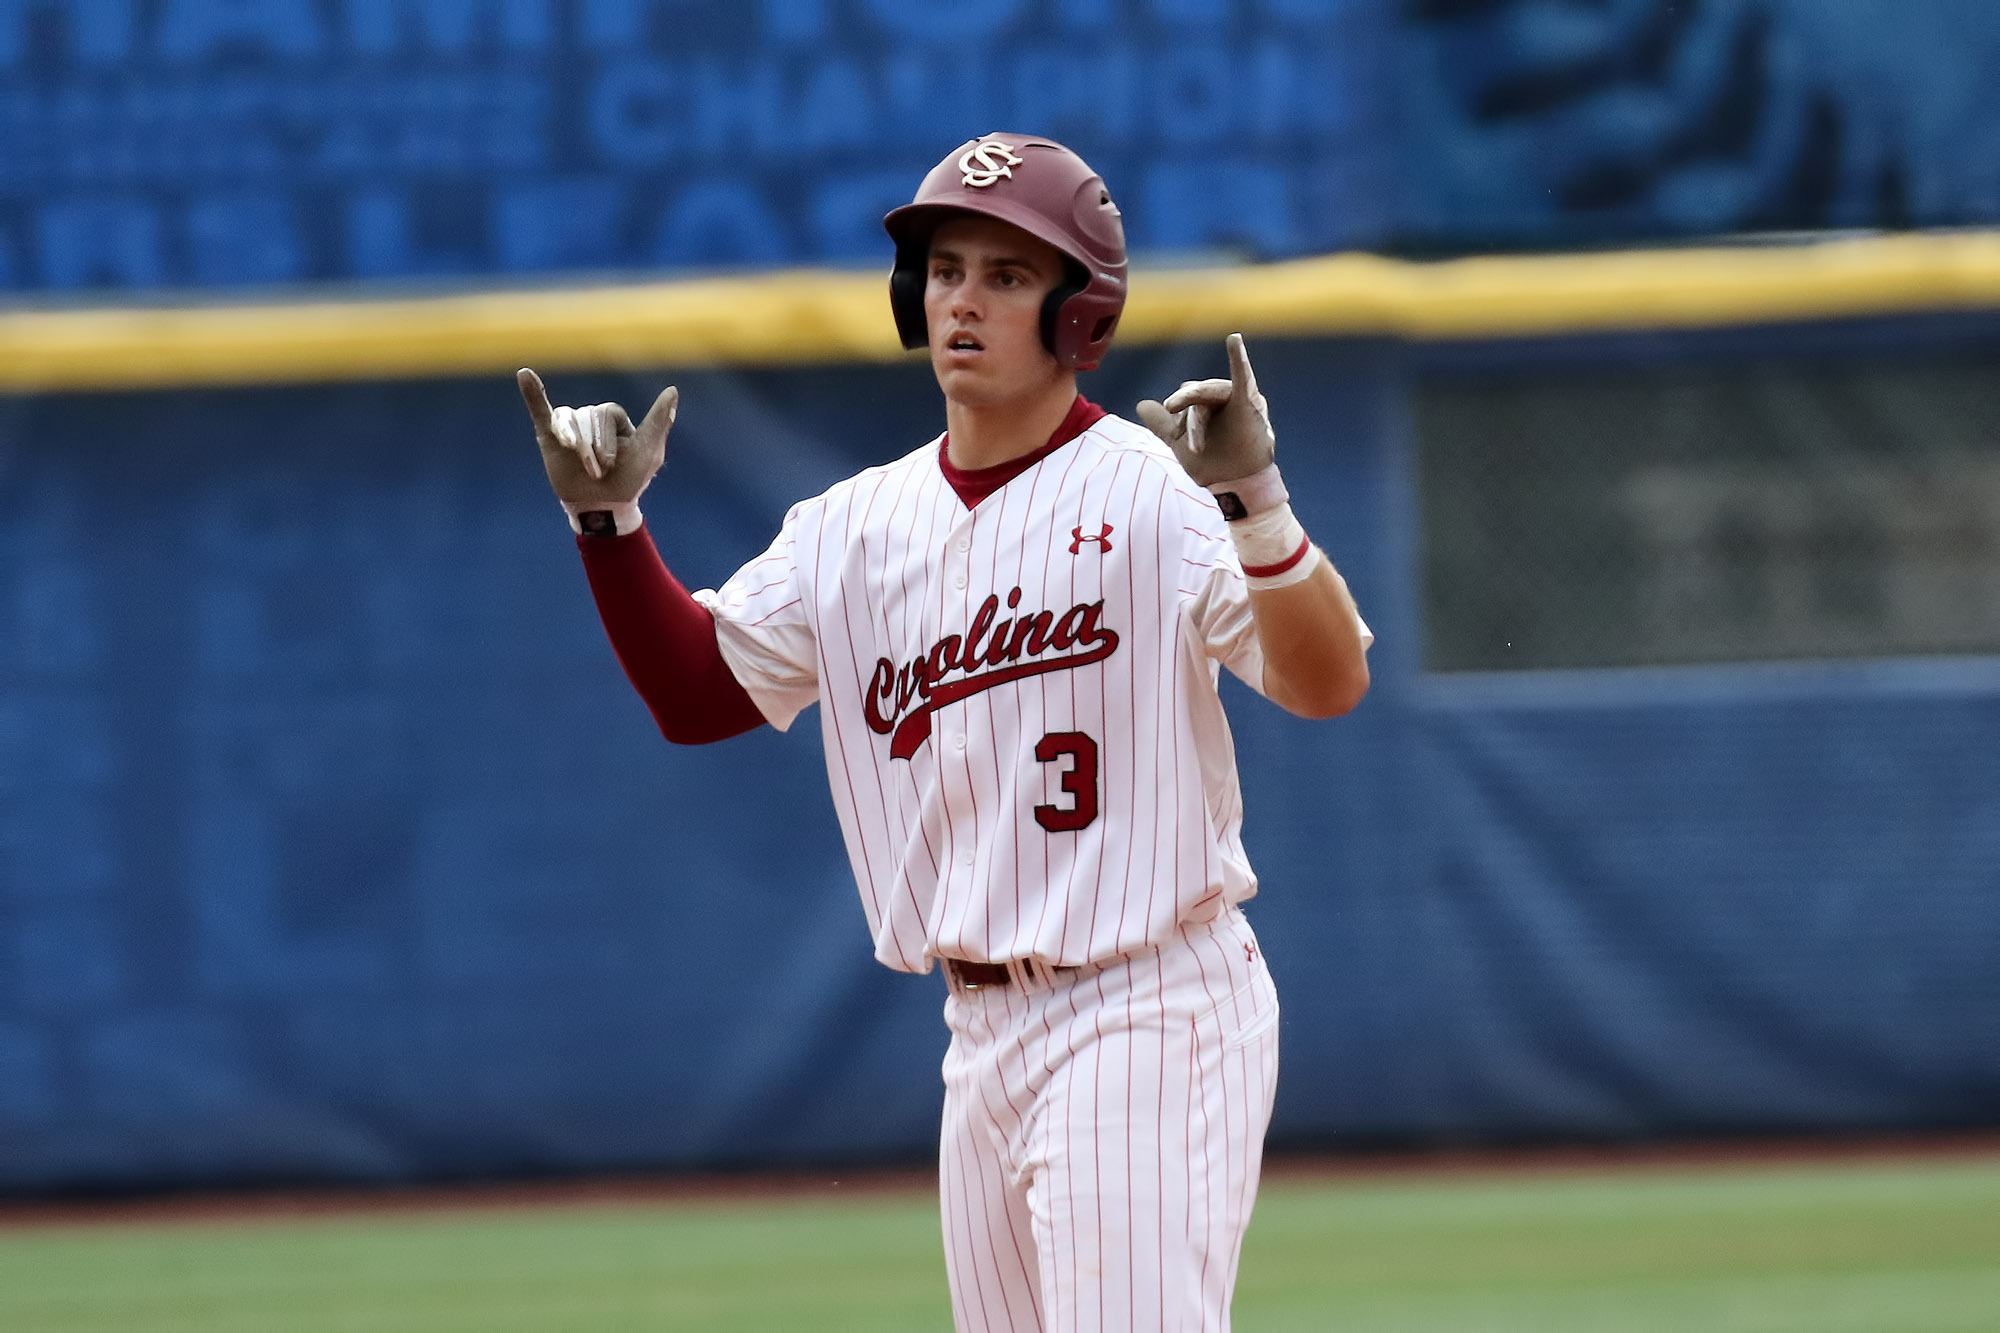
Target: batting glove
{"points": [[1220, 430], [597, 460]]}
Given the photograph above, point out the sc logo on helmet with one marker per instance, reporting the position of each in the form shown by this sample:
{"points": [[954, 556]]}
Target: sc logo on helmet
{"points": [[986, 162]]}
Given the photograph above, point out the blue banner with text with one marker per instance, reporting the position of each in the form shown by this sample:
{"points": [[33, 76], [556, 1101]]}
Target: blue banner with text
{"points": [[222, 142], [152, 144]]}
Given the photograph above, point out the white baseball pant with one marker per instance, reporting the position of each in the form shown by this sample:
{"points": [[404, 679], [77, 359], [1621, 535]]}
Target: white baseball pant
{"points": [[1103, 1133]]}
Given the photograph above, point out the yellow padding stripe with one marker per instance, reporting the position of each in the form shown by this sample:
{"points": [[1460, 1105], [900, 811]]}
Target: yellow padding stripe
{"points": [[825, 317]]}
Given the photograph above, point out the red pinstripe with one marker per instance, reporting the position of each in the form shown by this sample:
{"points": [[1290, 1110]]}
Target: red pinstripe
{"points": [[1048, 556], [772, 614], [870, 882], [1105, 884]]}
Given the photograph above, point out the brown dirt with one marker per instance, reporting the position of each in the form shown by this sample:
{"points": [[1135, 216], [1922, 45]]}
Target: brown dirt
{"points": [[235, 1206], [1688, 1155]]}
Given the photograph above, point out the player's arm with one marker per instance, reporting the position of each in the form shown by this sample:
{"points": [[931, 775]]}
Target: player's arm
{"points": [[599, 463], [1315, 655], [1315, 660]]}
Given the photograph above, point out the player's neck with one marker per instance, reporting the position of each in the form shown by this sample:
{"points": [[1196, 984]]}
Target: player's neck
{"points": [[986, 435]]}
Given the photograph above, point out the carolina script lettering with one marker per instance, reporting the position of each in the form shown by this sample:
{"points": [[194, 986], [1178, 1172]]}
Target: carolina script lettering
{"points": [[900, 699]]}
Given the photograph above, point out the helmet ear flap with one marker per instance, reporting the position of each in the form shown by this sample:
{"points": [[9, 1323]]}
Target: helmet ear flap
{"points": [[1075, 278], [906, 295]]}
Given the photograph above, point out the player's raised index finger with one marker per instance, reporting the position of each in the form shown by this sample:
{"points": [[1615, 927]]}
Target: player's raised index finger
{"points": [[537, 399], [1240, 374]]}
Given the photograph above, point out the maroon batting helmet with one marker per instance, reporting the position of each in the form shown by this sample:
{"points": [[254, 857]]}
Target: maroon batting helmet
{"points": [[1050, 193]]}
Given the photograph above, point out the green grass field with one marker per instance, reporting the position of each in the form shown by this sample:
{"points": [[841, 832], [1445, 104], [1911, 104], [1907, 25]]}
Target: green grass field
{"points": [[1816, 1249]]}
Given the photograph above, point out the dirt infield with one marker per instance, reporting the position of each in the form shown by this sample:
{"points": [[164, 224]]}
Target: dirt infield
{"points": [[249, 1205]]}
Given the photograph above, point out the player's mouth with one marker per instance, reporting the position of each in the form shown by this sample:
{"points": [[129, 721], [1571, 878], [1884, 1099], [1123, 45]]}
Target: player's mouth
{"points": [[963, 347]]}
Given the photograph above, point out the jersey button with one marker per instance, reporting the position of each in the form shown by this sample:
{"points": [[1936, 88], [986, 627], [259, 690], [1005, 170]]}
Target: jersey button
{"points": [[964, 545], [966, 856], [958, 742], [958, 582]]}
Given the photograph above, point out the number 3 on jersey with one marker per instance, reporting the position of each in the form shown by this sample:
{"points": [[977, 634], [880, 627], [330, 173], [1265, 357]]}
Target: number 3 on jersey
{"points": [[1079, 780]]}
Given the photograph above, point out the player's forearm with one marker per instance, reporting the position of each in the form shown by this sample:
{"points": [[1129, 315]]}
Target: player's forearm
{"points": [[1315, 661], [665, 640], [1315, 664]]}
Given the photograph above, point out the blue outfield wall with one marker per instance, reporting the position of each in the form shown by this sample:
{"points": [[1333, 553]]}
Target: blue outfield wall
{"points": [[334, 846]]}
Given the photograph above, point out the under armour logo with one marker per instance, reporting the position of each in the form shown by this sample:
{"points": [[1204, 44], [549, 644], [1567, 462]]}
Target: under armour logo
{"points": [[986, 162], [1079, 537]]}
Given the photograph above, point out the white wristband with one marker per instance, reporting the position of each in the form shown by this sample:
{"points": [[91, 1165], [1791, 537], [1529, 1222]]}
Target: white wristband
{"points": [[625, 515], [1274, 549], [1251, 496]]}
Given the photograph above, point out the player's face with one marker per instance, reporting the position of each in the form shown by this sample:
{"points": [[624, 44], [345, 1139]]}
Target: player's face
{"points": [[983, 304]]}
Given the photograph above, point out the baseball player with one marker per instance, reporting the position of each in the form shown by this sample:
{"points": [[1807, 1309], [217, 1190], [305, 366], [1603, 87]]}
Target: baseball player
{"points": [[1014, 634]]}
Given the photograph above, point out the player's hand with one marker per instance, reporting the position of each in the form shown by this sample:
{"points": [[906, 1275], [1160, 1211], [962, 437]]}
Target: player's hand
{"points": [[1219, 429], [595, 455]]}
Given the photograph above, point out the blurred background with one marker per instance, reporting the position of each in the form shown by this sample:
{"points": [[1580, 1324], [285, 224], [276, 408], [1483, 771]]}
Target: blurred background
{"points": [[1651, 405]]}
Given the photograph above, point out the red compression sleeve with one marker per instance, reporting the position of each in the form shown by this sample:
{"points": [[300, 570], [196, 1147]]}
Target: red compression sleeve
{"points": [[665, 640]]}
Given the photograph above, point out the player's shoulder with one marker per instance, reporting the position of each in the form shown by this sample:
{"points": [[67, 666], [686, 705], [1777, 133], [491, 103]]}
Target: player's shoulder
{"points": [[1114, 434], [1130, 444]]}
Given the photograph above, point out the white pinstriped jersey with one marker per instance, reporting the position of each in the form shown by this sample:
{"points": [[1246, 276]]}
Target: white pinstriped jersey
{"points": [[1026, 749]]}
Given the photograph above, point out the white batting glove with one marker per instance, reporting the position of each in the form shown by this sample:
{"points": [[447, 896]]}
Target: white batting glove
{"points": [[1220, 430], [597, 460]]}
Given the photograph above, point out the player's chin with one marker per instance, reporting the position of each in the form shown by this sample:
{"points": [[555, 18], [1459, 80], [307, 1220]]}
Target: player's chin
{"points": [[984, 379], [966, 376]]}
